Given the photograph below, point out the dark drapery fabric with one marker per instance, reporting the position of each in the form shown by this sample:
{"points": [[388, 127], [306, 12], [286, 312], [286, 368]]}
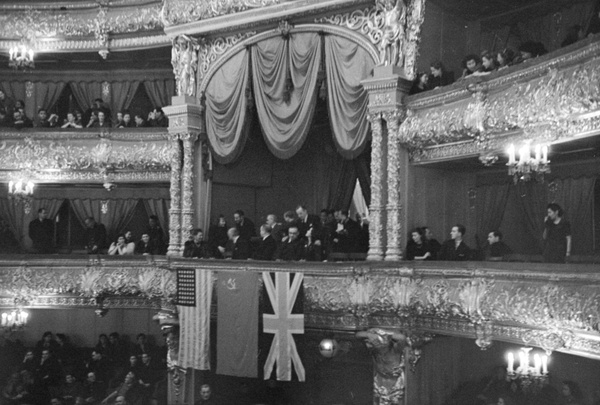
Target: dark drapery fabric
{"points": [[346, 65], [227, 119], [284, 73], [13, 212], [576, 197], [13, 90], [116, 217], [160, 208], [121, 94], [532, 199], [86, 92], [160, 92], [45, 95], [490, 207]]}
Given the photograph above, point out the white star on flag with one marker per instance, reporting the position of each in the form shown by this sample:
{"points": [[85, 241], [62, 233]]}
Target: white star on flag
{"points": [[283, 324]]}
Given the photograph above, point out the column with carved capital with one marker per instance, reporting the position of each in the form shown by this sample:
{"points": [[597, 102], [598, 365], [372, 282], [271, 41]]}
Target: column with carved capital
{"points": [[386, 89], [185, 116], [377, 217], [175, 191], [394, 205]]}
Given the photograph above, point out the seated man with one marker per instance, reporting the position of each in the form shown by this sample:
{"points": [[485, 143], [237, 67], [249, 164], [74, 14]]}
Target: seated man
{"points": [[146, 246], [44, 121], [496, 249], [158, 119], [21, 121], [276, 227], [292, 248], [196, 247], [455, 249], [71, 121], [267, 246]]}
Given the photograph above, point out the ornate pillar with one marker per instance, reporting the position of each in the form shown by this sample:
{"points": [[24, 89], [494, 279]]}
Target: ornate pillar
{"points": [[187, 184], [386, 89], [185, 116], [175, 191], [394, 206], [377, 217]]}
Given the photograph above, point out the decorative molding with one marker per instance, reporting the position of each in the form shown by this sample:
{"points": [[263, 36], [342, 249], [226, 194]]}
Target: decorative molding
{"points": [[177, 12], [175, 191], [187, 193], [212, 50], [184, 58], [377, 214]]}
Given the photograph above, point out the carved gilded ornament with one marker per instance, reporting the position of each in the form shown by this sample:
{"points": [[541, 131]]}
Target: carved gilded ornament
{"points": [[184, 58], [105, 154], [545, 108], [99, 21], [175, 12], [212, 49]]}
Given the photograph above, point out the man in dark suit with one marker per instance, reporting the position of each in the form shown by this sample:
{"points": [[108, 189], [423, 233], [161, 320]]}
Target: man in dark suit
{"points": [[196, 247], [455, 249], [239, 247], [41, 232], [244, 225], [267, 247], [292, 248], [306, 221], [95, 236], [345, 237]]}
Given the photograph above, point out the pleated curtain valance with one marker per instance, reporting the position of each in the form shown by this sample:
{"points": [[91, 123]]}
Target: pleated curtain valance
{"points": [[283, 75]]}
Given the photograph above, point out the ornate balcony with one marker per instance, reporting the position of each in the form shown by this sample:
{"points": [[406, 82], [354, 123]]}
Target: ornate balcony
{"points": [[551, 306]]}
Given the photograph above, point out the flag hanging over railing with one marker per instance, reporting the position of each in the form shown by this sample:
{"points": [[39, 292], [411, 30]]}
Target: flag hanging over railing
{"points": [[283, 324], [194, 322]]}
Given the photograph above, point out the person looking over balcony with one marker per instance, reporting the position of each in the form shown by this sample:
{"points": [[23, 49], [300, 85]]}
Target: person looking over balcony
{"points": [[420, 84], [557, 235], [99, 120], [455, 248], [439, 76], [196, 247], [126, 121], [41, 232], [158, 119], [488, 62], [505, 58], [71, 121], [471, 64], [145, 246], [121, 247], [21, 121], [418, 247], [140, 122]]}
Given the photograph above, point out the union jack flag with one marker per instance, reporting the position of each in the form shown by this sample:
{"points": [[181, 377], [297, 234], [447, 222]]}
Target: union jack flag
{"points": [[283, 324]]}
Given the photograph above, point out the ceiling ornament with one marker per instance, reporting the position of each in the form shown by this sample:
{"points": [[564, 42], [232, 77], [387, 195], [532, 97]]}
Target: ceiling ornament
{"points": [[184, 58]]}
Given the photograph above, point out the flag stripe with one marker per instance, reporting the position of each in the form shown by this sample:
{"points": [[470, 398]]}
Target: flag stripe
{"points": [[194, 323]]}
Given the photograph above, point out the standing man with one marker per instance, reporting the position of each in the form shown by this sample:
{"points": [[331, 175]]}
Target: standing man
{"points": [[244, 225], [240, 247], [95, 236], [455, 249], [267, 246], [157, 235], [41, 232]]}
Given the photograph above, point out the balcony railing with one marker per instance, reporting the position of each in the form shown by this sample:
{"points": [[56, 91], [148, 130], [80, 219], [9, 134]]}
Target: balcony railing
{"points": [[547, 305]]}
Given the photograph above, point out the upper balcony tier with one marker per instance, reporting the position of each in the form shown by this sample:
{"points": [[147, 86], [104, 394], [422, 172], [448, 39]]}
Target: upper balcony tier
{"points": [[556, 307], [552, 99]]}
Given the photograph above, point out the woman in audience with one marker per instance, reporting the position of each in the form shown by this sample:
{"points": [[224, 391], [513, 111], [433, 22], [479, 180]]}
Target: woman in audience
{"points": [[121, 247], [71, 121], [139, 121], [557, 235], [126, 121], [418, 248], [439, 76], [471, 64], [505, 58], [420, 84], [488, 62]]}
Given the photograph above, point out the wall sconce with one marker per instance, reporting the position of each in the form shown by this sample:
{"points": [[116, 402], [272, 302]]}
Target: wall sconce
{"points": [[527, 374], [21, 57], [14, 320], [22, 190]]}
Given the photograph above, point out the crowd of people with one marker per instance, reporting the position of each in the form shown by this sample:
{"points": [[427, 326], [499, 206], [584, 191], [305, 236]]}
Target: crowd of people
{"points": [[487, 61], [58, 373], [12, 115], [301, 236]]}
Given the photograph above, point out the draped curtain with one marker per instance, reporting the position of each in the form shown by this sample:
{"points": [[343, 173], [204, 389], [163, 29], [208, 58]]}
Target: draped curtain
{"points": [[118, 215], [13, 212], [491, 204], [45, 95], [576, 197], [284, 73], [532, 198], [160, 208], [121, 94], [227, 121], [13, 90], [346, 64], [86, 92], [160, 92]]}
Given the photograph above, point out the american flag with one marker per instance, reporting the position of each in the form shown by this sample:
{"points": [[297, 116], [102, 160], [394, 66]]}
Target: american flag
{"points": [[283, 324]]}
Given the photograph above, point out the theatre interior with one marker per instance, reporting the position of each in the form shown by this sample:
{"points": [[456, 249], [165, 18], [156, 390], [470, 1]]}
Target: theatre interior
{"points": [[149, 148]]}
